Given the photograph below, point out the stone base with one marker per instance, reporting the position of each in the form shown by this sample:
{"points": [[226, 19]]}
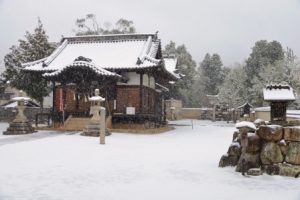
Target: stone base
{"points": [[94, 130], [19, 128], [228, 160], [254, 172]]}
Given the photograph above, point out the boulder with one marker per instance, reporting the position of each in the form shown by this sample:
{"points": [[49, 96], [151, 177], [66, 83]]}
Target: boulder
{"points": [[292, 134], [254, 143], [283, 146], [271, 169], [235, 136], [259, 122], [293, 153], [271, 133], [254, 172], [271, 153], [289, 170], [234, 149], [227, 160], [251, 161]]}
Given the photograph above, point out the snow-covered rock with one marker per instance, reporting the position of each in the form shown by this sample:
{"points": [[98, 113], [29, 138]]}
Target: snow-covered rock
{"points": [[245, 124]]}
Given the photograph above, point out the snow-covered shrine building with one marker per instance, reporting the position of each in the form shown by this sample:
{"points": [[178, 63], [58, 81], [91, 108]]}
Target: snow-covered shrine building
{"points": [[129, 70], [279, 95]]}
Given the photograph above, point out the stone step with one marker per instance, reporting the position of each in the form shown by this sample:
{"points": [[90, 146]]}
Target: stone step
{"points": [[76, 123]]}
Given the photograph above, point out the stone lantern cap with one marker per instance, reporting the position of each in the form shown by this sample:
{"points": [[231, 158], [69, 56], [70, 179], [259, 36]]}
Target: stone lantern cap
{"points": [[97, 97], [245, 124], [21, 98]]}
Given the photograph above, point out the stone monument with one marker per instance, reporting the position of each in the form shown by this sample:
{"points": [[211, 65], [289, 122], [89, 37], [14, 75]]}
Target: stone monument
{"points": [[94, 126], [20, 125]]}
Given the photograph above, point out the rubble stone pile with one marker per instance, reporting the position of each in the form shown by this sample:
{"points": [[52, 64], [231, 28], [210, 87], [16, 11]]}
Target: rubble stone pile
{"points": [[270, 149]]}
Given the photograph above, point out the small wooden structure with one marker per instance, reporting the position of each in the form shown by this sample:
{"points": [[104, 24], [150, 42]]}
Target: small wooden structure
{"points": [[279, 95], [245, 109]]}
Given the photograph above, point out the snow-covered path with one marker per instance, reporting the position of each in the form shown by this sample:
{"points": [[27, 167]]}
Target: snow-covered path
{"points": [[180, 164]]}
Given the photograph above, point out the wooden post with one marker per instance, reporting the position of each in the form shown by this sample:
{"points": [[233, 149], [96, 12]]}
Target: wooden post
{"points": [[102, 125], [214, 112]]}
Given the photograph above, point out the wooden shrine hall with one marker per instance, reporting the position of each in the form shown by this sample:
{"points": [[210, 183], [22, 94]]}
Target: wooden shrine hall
{"points": [[129, 70], [279, 95]]}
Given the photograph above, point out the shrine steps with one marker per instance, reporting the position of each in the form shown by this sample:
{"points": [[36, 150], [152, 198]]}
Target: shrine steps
{"points": [[75, 123]]}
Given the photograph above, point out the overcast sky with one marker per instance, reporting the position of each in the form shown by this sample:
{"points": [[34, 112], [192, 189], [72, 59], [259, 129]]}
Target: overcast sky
{"points": [[227, 27]]}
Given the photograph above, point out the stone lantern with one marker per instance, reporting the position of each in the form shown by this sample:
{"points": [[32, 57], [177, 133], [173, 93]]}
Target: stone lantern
{"points": [[96, 126], [213, 100], [20, 125], [244, 127]]}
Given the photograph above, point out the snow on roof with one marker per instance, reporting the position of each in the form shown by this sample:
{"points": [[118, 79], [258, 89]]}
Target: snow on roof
{"points": [[81, 63], [245, 124], [162, 87], [170, 65], [278, 92], [245, 105], [123, 51], [263, 109]]}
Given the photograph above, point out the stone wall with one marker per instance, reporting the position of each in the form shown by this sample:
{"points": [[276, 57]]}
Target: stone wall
{"points": [[271, 149], [196, 113]]}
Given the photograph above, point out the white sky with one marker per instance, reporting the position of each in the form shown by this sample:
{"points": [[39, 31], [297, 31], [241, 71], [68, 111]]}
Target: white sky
{"points": [[227, 27]]}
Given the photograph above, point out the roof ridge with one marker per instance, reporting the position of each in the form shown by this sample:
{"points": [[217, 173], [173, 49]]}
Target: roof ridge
{"points": [[109, 37], [56, 52]]}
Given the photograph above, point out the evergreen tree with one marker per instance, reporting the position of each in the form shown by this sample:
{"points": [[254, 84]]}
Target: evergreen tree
{"points": [[264, 56], [263, 53], [211, 73], [35, 46]]}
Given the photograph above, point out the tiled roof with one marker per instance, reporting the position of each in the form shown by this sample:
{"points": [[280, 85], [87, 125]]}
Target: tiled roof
{"points": [[120, 51], [86, 64], [170, 63]]}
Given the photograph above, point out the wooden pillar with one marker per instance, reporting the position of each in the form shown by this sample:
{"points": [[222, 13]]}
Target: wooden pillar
{"points": [[102, 125], [141, 93], [53, 97]]}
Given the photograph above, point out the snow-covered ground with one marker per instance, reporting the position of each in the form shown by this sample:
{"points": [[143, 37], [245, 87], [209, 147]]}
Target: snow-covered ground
{"points": [[180, 164]]}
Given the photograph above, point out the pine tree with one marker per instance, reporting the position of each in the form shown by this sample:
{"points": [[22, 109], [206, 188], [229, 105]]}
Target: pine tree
{"points": [[35, 46], [261, 68], [211, 73]]}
